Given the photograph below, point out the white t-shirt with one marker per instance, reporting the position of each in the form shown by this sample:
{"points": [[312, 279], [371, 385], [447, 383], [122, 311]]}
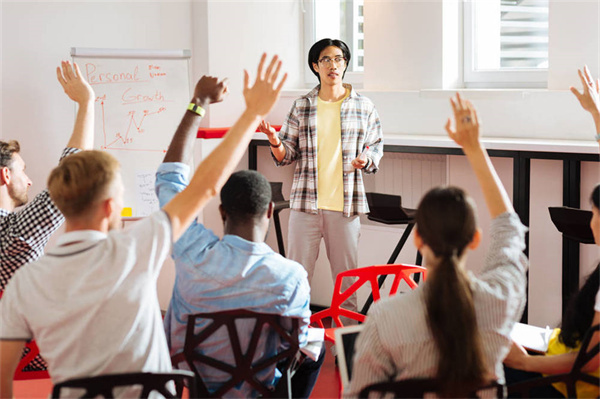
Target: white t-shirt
{"points": [[91, 302]]}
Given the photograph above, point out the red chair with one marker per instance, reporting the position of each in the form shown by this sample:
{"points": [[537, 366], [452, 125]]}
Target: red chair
{"points": [[363, 275], [25, 360]]}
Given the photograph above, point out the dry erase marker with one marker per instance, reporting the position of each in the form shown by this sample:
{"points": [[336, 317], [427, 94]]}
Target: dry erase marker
{"points": [[363, 154]]}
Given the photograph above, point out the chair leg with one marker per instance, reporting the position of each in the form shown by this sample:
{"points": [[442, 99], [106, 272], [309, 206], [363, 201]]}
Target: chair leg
{"points": [[278, 233], [390, 261], [418, 262]]}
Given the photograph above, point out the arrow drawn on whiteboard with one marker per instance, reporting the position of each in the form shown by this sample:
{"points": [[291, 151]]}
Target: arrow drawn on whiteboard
{"points": [[126, 140]]}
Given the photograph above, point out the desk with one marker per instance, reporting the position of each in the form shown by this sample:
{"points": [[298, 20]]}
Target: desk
{"points": [[522, 151]]}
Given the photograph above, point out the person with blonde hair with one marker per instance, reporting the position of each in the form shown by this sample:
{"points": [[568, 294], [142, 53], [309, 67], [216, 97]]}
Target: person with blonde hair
{"points": [[95, 308]]}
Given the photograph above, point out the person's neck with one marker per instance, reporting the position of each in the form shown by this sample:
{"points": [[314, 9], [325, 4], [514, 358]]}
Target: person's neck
{"points": [[332, 93], [79, 225], [6, 202], [249, 232]]}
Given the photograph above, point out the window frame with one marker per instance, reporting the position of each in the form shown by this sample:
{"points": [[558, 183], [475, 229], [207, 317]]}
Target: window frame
{"points": [[472, 78], [308, 8]]}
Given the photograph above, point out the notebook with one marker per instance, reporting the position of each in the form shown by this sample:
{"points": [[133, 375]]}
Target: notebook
{"points": [[345, 338]]}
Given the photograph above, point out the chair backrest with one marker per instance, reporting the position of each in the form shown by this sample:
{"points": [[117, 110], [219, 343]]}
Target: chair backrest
{"points": [[570, 379], [103, 385], [276, 191], [364, 275], [573, 223], [418, 387], [246, 365]]}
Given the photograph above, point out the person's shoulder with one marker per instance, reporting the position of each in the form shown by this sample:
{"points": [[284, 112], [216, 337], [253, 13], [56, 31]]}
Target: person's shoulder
{"points": [[288, 269]]}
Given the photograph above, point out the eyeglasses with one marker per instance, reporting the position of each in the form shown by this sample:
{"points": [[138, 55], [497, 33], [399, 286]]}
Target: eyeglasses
{"points": [[339, 61]]}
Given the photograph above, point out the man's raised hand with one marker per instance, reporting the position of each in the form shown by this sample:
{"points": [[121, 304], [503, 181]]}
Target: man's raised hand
{"points": [[210, 90], [261, 97], [74, 84]]}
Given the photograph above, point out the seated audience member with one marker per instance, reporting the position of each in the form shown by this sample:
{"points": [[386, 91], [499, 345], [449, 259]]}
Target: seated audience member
{"points": [[590, 98], [455, 327], [239, 271], [25, 233], [582, 312], [91, 301]]}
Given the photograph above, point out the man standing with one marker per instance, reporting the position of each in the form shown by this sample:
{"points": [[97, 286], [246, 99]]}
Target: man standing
{"points": [[239, 271], [334, 135], [24, 233], [95, 310]]}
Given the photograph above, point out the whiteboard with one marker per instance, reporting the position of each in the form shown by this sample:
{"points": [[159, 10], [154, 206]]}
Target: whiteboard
{"points": [[141, 96]]}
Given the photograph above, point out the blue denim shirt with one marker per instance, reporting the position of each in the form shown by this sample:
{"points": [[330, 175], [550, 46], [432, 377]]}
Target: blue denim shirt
{"points": [[214, 275]]}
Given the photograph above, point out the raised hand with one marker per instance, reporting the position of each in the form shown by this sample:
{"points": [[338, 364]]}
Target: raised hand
{"points": [[590, 98], [74, 84], [210, 90], [261, 97], [466, 133]]}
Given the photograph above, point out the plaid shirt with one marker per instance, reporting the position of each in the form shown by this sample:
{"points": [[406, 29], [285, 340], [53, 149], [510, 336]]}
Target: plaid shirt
{"points": [[360, 127], [23, 234]]}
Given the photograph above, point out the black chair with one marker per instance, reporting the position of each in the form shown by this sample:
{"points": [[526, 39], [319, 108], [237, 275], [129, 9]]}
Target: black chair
{"points": [[103, 385], [573, 223], [246, 367], [586, 354], [280, 204], [387, 209], [419, 387]]}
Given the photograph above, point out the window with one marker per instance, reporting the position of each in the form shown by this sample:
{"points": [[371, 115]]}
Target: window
{"points": [[506, 43], [337, 19]]}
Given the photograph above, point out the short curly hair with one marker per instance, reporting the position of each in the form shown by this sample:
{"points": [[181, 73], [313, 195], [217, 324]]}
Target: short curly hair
{"points": [[7, 149], [246, 195]]}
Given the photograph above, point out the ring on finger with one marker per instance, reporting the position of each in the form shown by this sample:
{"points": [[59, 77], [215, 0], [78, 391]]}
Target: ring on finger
{"points": [[466, 119]]}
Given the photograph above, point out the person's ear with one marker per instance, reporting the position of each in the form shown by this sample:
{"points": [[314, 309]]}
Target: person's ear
{"points": [[222, 212], [5, 175], [315, 67], [476, 240], [270, 209], [108, 207], [418, 240]]}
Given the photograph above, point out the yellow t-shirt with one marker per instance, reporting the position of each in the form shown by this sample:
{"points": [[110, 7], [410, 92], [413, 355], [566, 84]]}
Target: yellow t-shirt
{"points": [[584, 390], [330, 171]]}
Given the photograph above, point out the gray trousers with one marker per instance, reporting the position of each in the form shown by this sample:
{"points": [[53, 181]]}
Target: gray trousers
{"points": [[341, 241]]}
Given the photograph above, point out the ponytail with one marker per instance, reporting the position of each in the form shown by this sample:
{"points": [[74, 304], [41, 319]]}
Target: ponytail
{"points": [[453, 324]]}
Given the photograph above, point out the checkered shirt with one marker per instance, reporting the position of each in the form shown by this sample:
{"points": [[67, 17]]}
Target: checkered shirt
{"points": [[23, 236], [360, 127]]}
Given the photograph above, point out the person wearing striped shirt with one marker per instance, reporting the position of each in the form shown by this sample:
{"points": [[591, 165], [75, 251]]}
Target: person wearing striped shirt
{"points": [[25, 232], [456, 326], [334, 135]]}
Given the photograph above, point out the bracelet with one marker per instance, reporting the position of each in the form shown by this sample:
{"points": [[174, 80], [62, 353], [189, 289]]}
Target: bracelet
{"points": [[275, 146], [195, 108], [597, 137]]}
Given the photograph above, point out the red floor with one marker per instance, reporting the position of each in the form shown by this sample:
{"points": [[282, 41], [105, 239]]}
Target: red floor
{"points": [[327, 385]]}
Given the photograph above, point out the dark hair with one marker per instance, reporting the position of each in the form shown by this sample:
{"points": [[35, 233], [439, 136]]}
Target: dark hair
{"points": [[595, 197], [580, 311], [246, 194], [7, 149], [446, 222], [315, 52]]}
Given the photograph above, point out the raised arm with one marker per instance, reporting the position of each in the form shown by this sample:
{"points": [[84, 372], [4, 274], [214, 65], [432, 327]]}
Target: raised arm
{"points": [[590, 98], [466, 135], [214, 171], [209, 90], [82, 93]]}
